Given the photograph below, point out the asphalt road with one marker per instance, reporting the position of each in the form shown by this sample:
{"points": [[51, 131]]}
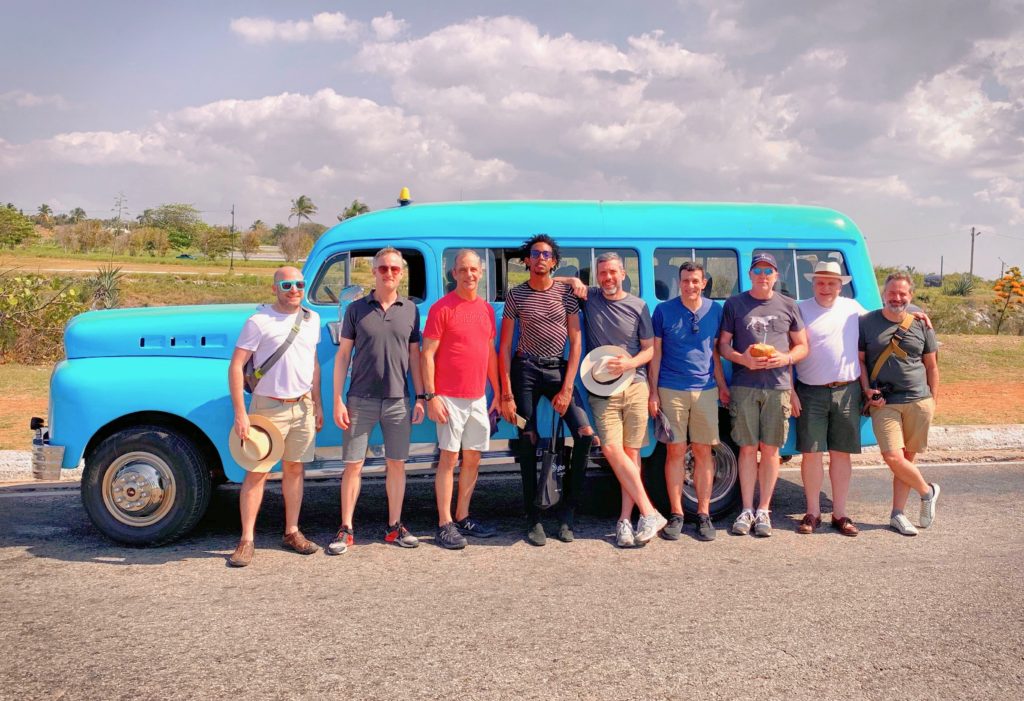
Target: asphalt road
{"points": [[818, 617]]}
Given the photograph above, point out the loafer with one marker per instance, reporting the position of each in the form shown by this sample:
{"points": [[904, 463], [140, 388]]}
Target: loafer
{"points": [[809, 524], [565, 533], [845, 526], [243, 554], [299, 543]]}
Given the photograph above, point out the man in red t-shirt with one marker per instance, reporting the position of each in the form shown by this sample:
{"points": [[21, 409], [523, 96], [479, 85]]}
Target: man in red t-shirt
{"points": [[458, 360]]}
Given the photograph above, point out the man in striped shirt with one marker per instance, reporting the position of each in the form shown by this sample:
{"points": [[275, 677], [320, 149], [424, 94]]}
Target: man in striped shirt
{"points": [[548, 314]]}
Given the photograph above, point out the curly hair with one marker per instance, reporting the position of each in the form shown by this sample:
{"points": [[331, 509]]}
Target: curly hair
{"points": [[524, 254]]}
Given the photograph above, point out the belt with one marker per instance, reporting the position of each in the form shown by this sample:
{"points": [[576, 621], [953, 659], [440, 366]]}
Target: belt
{"points": [[543, 361], [290, 401], [833, 385]]}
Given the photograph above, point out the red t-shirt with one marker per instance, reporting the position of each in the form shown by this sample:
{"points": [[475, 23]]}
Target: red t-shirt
{"points": [[466, 332]]}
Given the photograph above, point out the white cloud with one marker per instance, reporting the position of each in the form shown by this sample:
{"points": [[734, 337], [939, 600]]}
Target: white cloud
{"points": [[324, 26], [387, 27], [25, 99]]}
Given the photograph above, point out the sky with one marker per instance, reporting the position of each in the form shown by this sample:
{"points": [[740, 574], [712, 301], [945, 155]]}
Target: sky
{"points": [[906, 115]]}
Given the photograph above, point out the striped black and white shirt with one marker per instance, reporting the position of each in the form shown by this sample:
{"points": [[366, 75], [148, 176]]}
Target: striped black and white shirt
{"points": [[542, 317]]}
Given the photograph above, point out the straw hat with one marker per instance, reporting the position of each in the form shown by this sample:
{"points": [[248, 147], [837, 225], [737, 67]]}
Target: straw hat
{"points": [[597, 378], [829, 269], [262, 450]]}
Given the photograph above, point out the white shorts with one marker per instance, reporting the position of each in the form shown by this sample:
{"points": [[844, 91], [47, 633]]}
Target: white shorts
{"points": [[468, 426]]}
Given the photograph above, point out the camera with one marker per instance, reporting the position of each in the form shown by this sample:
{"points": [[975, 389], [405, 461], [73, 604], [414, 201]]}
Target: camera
{"points": [[879, 390]]}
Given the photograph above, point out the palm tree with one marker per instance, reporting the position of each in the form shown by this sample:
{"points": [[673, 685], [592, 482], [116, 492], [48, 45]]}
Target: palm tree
{"points": [[76, 215], [257, 225], [45, 213], [302, 207], [354, 210]]}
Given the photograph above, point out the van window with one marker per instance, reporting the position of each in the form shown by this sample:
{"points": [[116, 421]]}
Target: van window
{"points": [[794, 264], [575, 262], [356, 268], [721, 268], [485, 288]]}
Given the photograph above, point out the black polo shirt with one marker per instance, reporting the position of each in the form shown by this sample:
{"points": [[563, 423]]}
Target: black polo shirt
{"points": [[380, 361]]}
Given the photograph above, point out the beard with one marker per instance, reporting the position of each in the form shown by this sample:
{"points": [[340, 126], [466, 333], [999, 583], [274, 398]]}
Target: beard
{"points": [[896, 308]]}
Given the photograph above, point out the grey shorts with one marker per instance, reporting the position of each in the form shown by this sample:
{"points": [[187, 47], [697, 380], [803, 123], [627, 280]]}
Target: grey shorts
{"points": [[829, 418], [364, 415], [759, 416]]}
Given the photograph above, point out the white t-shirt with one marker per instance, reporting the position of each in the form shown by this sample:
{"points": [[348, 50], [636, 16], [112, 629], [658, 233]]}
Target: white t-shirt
{"points": [[832, 341], [292, 374]]}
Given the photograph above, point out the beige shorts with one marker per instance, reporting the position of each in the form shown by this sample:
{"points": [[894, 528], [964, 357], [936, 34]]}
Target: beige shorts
{"points": [[903, 426], [693, 413], [622, 419], [295, 420]]}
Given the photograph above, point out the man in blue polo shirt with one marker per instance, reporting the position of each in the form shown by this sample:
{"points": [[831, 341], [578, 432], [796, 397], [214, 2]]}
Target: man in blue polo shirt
{"points": [[687, 383]]}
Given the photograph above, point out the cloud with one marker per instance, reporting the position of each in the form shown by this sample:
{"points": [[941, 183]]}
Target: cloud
{"points": [[25, 99], [325, 26], [386, 28]]}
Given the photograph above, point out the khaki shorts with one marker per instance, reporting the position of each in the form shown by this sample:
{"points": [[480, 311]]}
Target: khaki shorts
{"points": [[295, 420], [759, 416], [903, 426], [622, 419], [693, 413]]}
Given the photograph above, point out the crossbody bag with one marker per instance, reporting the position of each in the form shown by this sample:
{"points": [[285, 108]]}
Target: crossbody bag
{"points": [[251, 375]]}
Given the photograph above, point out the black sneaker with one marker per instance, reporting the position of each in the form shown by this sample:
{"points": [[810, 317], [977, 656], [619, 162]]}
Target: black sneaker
{"points": [[471, 527], [674, 529], [705, 529], [448, 537]]}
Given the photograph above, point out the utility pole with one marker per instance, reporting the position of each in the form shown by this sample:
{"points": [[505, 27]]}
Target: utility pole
{"points": [[231, 265], [974, 235], [1002, 266]]}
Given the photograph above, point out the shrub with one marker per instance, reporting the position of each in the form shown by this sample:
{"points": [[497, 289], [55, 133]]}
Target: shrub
{"points": [[959, 286], [33, 313]]}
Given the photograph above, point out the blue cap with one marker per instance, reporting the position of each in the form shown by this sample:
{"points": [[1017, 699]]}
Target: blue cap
{"points": [[764, 258]]}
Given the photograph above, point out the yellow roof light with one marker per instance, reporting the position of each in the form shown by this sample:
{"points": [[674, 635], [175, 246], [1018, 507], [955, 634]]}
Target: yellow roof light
{"points": [[403, 197]]}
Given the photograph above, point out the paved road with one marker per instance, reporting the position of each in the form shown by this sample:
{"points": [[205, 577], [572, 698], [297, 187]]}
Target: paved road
{"points": [[796, 617]]}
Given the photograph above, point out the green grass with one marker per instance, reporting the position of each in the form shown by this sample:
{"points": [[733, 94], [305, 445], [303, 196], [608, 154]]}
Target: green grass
{"points": [[139, 290], [56, 252], [981, 358]]}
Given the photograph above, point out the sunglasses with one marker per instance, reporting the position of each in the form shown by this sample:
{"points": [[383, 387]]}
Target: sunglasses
{"points": [[287, 285], [694, 323], [546, 255], [762, 271], [385, 269]]}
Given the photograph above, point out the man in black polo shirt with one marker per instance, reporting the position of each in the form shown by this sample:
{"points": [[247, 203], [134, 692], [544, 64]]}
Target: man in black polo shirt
{"points": [[547, 312], [384, 330]]}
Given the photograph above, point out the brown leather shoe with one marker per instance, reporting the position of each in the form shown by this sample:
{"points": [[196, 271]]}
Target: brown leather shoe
{"points": [[243, 554], [808, 524], [298, 542], [845, 526]]}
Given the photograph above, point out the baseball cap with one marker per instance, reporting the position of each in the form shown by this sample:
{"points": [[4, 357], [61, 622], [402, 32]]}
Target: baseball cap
{"points": [[764, 258]]}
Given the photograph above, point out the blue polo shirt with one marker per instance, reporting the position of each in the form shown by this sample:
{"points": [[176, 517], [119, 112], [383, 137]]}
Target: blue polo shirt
{"points": [[687, 361]]}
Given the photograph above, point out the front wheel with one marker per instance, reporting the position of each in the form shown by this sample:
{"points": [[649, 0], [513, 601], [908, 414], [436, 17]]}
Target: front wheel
{"points": [[725, 489], [146, 485]]}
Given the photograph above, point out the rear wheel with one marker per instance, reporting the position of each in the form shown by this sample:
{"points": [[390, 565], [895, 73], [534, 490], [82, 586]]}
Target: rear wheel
{"points": [[145, 486]]}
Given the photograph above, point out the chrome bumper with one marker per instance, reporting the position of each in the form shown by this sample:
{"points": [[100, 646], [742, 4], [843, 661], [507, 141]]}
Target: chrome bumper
{"points": [[46, 459]]}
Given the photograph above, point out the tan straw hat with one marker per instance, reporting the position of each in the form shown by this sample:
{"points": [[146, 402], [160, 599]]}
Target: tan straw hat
{"points": [[829, 269], [597, 378], [262, 450]]}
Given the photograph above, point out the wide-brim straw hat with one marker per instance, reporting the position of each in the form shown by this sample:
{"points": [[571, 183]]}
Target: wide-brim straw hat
{"points": [[262, 450], [828, 269], [598, 379]]}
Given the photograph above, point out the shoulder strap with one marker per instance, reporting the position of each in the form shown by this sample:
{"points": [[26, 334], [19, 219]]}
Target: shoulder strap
{"points": [[893, 347], [265, 366]]}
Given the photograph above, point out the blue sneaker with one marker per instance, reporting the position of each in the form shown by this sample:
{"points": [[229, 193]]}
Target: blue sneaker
{"points": [[471, 527]]}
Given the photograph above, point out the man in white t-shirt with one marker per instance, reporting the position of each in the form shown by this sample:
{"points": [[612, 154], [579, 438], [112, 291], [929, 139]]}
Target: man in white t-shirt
{"points": [[288, 394]]}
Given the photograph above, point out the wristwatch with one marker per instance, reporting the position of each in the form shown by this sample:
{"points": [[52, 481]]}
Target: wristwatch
{"points": [[426, 396]]}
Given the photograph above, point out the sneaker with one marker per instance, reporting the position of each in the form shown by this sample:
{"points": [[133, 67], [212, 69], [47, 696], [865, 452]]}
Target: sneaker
{"points": [[743, 522], [299, 543], [448, 537], [674, 529], [624, 536], [342, 542], [762, 525], [648, 526], [243, 554], [902, 525], [400, 536], [705, 529], [471, 527], [536, 536], [928, 507]]}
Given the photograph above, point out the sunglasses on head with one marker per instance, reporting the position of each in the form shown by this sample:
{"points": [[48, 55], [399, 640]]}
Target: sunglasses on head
{"points": [[546, 255], [286, 285], [385, 269], [762, 271]]}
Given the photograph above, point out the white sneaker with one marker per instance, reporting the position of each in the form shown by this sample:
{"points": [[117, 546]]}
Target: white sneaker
{"points": [[648, 526], [743, 522], [624, 537], [902, 525], [762, 525], [928, 507]]}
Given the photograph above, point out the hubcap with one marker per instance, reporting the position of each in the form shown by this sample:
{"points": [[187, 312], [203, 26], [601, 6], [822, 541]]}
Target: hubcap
{"points": [[726, 473], [138, 488]]}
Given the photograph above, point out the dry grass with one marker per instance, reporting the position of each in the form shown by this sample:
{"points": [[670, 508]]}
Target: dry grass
{"points": [[24, 389]]}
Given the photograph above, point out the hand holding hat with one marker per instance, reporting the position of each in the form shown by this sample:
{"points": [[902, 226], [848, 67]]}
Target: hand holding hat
{"points": [[263, 448], [598, 374]]}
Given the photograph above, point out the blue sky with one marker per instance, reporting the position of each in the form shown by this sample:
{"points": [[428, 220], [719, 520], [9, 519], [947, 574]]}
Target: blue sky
{"points": [[907, 116]]}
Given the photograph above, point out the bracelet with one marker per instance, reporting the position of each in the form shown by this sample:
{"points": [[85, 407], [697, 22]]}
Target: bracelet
{"points": [[507, 398]]}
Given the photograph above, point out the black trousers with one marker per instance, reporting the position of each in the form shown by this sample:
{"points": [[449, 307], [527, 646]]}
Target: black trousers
{"points": [[530, 382]]}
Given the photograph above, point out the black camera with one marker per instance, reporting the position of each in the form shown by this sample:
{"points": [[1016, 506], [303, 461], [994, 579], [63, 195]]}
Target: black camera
{"points": [[879, 390]]}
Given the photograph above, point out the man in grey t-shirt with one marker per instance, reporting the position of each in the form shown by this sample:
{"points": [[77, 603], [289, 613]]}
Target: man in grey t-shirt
{"points": [[901, 394], [762, 336]]}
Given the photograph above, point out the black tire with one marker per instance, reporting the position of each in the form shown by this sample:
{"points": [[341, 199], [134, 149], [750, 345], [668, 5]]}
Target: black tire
{"points": [[145, 486], [726, 490]]}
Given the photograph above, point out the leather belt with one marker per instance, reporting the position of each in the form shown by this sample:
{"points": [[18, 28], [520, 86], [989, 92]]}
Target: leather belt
{"points": [[290, 401], [833, 385], [542, 361]]}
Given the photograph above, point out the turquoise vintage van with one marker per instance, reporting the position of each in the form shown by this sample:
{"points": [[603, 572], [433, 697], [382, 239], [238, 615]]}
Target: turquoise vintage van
{"points": [[142, 395]]}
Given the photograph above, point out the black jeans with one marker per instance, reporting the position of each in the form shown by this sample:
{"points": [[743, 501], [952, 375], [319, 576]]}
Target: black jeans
{"points": [[530, 382]]}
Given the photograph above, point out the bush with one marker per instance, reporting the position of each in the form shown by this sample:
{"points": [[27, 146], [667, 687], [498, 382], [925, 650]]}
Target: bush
{"points": [[15, 228], [959, 286], [33, 313]]}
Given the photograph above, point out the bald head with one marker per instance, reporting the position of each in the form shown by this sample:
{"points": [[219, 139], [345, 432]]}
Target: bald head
{"points": [[287, 272]]}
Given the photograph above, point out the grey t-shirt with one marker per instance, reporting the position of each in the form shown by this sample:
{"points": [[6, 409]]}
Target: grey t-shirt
{"points": [[770, 321], [908, 376], [621, 322], [380, 364]]}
